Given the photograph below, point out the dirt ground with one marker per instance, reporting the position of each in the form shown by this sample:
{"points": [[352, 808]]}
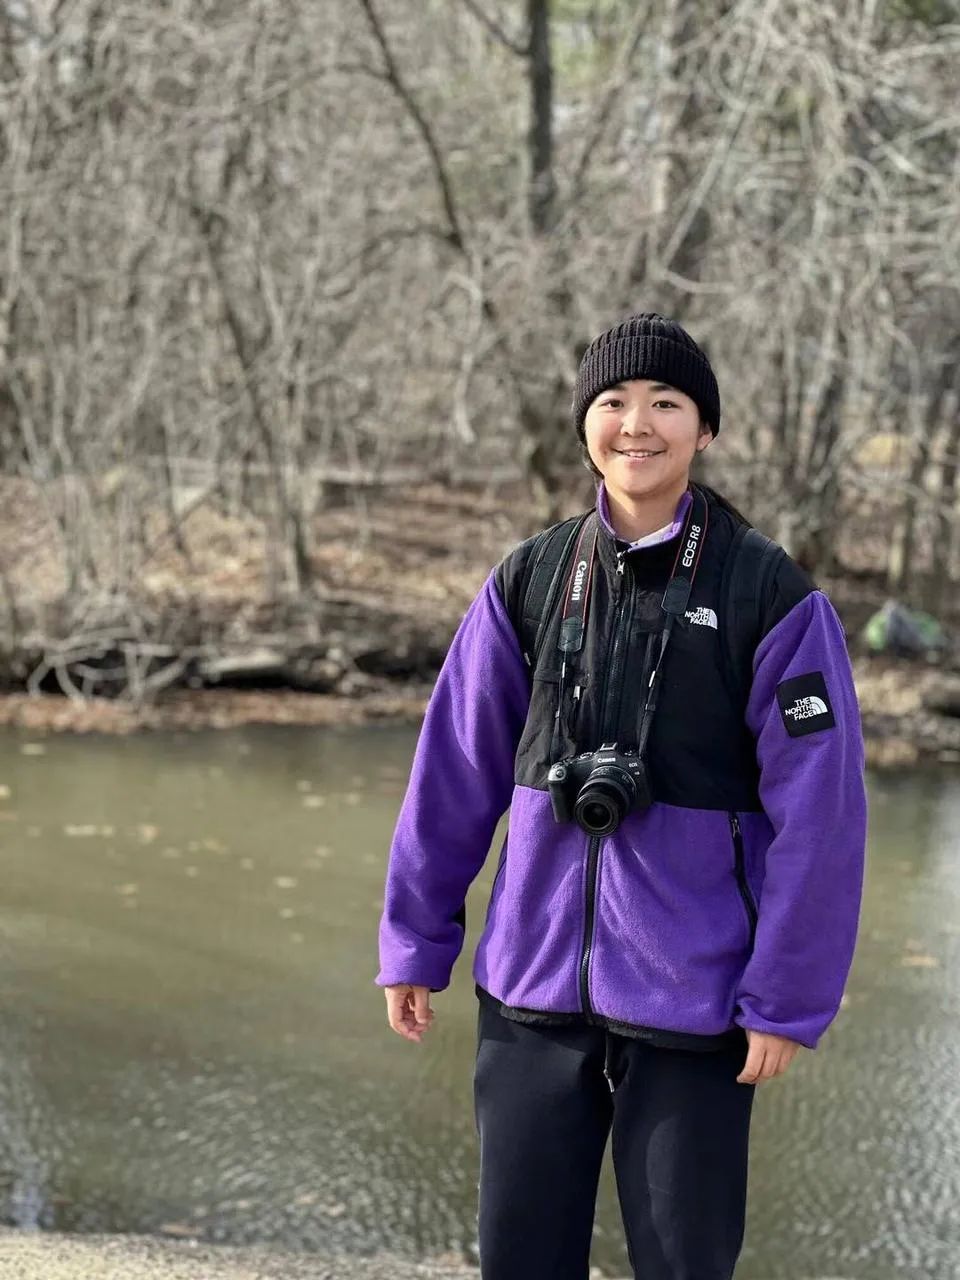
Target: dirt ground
{"points": [[37, 1256], [47, 1256]]}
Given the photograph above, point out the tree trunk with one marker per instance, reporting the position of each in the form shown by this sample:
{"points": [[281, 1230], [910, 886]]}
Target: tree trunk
{"points": [[542, 186], [900, 564], [941, 586]]}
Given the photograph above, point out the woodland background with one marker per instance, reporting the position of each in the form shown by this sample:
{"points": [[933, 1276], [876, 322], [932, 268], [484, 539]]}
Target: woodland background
{"points": [[292, 297]]}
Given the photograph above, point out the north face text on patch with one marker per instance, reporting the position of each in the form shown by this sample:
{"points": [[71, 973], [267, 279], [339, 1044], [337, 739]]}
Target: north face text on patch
{"points": [[804, 704], [702, 617]]}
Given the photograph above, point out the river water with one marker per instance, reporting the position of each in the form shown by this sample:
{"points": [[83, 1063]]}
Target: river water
{"points": [[191, 1041]]}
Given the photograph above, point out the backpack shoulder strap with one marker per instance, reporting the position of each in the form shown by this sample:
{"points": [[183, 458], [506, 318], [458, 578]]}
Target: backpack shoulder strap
{"points": [[542, 577], [748, 575]]}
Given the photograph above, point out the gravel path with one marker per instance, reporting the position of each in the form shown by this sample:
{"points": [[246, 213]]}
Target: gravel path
{"points": [[46, 1256]]}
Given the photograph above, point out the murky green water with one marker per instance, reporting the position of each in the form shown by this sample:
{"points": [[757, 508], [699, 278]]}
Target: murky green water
{"points": [[190, 1037]]}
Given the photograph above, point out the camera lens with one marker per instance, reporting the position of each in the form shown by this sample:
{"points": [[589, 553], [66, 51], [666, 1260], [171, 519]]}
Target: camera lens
{"points": [[598, 817], [603, 800]]}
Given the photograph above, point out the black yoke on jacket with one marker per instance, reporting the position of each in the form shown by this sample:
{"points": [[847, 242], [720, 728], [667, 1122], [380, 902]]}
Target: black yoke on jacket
{"points": [[700, 752]]}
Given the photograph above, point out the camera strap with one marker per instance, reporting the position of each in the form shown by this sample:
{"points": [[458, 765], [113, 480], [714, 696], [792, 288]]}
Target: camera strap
{"points": [[676, 597], [576, 600]]}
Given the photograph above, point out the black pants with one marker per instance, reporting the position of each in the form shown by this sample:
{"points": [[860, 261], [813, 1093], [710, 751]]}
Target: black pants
{"points": [[546, 1099]]}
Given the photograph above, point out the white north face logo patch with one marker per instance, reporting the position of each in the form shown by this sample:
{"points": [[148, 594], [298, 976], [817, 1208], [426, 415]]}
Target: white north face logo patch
{"points": [[702, 617], [805, 704], [804, 708]]}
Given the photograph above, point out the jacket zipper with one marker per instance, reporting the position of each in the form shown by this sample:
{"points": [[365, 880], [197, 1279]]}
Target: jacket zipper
{"points": [[613, 652], [593, 862], [741, 875], [611, 690]]}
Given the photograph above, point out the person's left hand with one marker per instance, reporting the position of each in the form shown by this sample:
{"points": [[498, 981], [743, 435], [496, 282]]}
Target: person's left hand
{"points": [[767, 1056]]}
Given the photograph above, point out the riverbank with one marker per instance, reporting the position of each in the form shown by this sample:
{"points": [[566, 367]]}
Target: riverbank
{"points": [[49, 1256], [361, 644], [210, 709], [910, 712]]}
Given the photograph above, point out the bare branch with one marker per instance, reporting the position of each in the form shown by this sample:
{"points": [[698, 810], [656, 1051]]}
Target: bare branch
{"points": [[521, 50], [455, 236], [612, 92]]}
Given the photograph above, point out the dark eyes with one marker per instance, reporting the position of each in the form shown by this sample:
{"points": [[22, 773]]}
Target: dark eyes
{"points": [[614, 400]]}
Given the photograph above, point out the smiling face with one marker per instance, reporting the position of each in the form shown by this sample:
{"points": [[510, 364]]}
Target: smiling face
{"points": [[642, 436]]}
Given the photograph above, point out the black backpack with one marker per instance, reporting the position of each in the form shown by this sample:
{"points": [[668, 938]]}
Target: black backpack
{"points": [[747, 576]]}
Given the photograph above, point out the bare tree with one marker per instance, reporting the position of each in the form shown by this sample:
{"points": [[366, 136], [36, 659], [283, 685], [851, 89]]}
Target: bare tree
{"points": [[259, 258]]}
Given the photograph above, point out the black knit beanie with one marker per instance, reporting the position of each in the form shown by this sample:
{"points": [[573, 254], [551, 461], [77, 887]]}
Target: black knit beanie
{"points": [[646, 345]]}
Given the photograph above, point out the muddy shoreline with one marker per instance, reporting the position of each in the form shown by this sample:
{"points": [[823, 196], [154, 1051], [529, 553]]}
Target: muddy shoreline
{"points": [[911, 713]]}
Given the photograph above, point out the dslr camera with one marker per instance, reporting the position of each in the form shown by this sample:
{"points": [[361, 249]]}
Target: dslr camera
{"points": [[599, 788]]}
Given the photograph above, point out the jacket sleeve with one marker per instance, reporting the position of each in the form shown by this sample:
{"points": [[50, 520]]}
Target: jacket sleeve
{"points": [[461, 783], [803, 713]]}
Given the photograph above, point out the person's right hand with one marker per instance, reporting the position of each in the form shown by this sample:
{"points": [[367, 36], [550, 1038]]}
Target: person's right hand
{"points": [[408, 1010]]}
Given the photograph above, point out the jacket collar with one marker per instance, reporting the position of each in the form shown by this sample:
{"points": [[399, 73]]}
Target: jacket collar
{"points": [[608, 543]]}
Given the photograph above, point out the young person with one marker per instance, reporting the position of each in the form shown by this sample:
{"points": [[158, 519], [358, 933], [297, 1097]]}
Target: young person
{"points": [[674, 916]]}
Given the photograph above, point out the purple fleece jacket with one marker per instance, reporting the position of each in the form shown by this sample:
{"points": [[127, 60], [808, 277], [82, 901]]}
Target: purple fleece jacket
{"points": [[460, 785], [670, 945]]}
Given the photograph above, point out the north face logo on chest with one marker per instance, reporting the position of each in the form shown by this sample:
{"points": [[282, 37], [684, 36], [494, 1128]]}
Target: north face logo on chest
{"points": [[702, 617]]}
